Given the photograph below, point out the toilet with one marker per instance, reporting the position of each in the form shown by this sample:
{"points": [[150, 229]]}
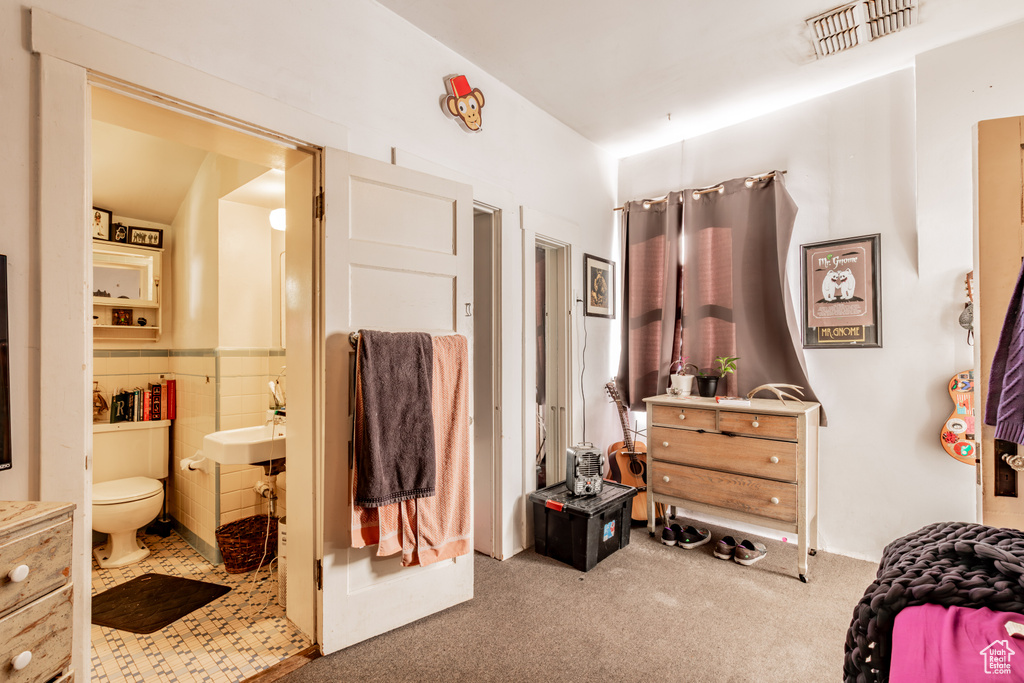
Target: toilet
{"points": [[129, 459]]}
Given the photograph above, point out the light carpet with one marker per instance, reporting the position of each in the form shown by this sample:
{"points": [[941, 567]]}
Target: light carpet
{"points": [[647, 612]]}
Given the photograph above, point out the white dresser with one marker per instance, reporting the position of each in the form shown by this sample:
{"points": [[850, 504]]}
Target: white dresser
{"points": [[36, 612], [756, 463]]}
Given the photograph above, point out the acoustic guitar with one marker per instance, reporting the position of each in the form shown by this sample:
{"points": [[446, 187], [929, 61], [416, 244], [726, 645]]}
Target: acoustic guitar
{"points": [[627, 459]]}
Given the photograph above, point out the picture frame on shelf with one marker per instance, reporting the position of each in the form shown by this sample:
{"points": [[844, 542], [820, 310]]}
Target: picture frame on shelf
{"points": [[146, 237], [599, 283], [121, 316], [119, 233], [841, 290], [101, 220]]}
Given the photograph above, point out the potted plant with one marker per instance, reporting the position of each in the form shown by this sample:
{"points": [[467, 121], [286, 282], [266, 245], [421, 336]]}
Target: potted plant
{"points": [[707, 379], [681, 380]]}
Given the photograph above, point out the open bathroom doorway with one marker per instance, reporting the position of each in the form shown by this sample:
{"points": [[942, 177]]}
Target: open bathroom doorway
{"points": [[196, 197]]}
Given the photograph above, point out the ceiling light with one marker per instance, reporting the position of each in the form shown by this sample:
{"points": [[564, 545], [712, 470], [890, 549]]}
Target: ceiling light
{"points": [[277, 219]]}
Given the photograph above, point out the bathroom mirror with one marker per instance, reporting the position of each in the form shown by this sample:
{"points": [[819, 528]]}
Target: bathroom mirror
{"points": [[123, 272], [5, 373]]}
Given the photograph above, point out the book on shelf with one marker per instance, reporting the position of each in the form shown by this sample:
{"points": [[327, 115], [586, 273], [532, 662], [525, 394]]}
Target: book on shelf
{"points": [[170, 399], [155, 408], [732, 400], [119, 408], [147, 405]]}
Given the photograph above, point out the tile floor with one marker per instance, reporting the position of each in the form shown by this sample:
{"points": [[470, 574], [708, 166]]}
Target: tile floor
{"points": [[227, 640]]}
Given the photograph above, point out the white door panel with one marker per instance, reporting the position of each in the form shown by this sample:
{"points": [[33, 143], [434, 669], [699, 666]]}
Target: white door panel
{"points": [[422, 221], [398, 256]]}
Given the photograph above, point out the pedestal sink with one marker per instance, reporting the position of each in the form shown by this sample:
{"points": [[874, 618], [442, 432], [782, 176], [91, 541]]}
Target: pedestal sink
{"points": [[247, 446]]}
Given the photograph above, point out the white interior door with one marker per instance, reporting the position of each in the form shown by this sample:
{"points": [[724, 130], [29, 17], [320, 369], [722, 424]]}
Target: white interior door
{"points": [[398, 256]]}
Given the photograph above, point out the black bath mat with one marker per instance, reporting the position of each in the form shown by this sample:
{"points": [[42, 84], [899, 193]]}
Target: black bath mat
{"points": [[150, 602]]}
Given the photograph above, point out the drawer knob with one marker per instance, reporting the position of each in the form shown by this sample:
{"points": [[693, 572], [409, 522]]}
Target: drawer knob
{"points": [[21, 661], [755, 424], [775, 460], [18, 574], [682, 416], [665, 478], [775, 501], [665, 444]]}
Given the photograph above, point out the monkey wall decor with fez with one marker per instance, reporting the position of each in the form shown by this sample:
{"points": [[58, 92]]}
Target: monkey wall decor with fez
{"points": [[463, 103]]}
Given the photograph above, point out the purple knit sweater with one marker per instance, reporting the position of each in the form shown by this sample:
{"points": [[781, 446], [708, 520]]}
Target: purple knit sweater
{"points": [[1005, 406]]}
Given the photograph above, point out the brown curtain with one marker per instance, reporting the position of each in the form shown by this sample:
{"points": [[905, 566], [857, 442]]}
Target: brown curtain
{"points": [[735, 297], [651, 274]]}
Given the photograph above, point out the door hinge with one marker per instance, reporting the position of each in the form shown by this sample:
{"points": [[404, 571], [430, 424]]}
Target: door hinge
{"points": [[318, 571], [318, 206]]}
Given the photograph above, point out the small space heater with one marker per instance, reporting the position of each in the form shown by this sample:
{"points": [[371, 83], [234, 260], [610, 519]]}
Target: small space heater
{"points": [[584, 466]]}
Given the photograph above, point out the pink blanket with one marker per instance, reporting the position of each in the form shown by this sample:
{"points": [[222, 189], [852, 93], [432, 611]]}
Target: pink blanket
{"points": [[935, 644]]}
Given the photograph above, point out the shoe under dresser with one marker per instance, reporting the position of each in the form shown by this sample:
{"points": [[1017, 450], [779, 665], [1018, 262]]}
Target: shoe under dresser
{"points": [[754, 463]]}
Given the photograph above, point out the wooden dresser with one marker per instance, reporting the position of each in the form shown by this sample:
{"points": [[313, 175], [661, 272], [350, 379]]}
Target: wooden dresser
{"points": [[756, 463], [36, 612]]}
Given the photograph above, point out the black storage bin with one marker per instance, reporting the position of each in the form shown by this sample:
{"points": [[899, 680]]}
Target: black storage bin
{"points": [[581, 530]]}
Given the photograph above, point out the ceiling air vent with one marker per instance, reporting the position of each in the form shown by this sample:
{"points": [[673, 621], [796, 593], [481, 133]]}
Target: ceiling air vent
{"points": [[858, 22], [835, 30], [888, 16]]}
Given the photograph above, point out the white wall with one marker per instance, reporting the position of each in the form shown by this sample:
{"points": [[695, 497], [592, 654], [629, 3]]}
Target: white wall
{"points": [[246, 277], [851, 159], [191, 256], [354, 64]]}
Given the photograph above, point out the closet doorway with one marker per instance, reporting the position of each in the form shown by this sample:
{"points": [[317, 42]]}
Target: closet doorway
{"points": [[486, 379]]}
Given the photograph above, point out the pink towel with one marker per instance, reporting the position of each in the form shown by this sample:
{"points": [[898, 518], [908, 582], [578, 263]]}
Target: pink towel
{"points": [[935, 644], [429, 530]]}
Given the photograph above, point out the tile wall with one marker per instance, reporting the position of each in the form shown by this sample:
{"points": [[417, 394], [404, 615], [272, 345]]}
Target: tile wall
{"points": [[194, 492], [216, 389], [244, 400]]}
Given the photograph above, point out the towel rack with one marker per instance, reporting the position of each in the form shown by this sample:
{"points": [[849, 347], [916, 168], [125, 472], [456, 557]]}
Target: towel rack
{"points": [[353, 339]]}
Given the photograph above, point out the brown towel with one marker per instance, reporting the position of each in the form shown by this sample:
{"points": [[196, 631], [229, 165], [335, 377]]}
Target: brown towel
{"points": [[394, 436]]}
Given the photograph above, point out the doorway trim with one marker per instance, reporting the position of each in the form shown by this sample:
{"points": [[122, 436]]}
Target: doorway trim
{"points": [[68, 54], [493, 456]]}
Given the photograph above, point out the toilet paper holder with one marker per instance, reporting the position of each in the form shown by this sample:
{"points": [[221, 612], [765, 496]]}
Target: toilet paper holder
{"points": [[198, 462]]}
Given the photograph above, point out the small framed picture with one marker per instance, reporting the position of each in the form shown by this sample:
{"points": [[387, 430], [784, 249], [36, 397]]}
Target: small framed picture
{"points": [[121, 316], [599, 282], [842, 293], [119, 233], [146, 237], [101, 223]]}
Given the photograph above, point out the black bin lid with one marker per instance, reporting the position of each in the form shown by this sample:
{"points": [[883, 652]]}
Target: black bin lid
{"points": [[588, 506]]}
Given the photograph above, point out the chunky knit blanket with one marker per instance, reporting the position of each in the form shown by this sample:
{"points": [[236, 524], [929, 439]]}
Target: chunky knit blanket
{"points": [[946, 563]]}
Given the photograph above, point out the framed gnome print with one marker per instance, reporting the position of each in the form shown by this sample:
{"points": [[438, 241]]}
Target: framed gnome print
{"points": [[841, 292]]}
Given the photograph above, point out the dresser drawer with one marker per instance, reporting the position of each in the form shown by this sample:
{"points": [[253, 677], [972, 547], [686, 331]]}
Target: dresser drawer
{"points": [[762, 497], [47, 555], [43, 628], [691, 418], [752, 424], [738, 454]]}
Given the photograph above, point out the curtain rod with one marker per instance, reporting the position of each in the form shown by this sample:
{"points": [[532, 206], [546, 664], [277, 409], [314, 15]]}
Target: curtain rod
{"points": [[707, 190]]}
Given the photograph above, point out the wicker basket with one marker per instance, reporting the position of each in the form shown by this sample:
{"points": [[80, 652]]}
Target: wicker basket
{"points": [[242, 543]]}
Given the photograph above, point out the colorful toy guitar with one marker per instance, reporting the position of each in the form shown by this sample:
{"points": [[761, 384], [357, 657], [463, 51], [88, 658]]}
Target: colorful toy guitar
{"points": [[957, 433]]}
